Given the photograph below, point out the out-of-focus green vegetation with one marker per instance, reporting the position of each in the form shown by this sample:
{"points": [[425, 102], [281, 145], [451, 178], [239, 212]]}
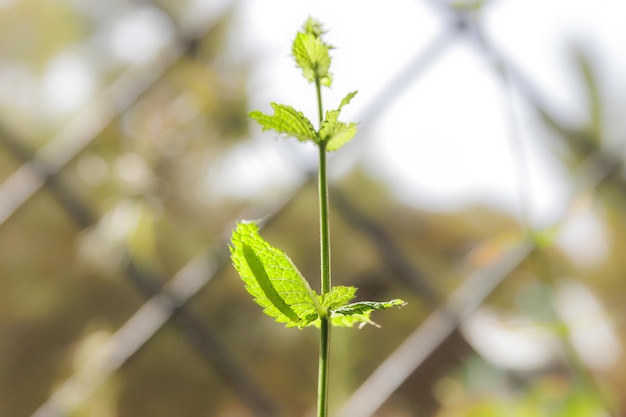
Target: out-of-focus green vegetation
{"points": [[142, 196]]}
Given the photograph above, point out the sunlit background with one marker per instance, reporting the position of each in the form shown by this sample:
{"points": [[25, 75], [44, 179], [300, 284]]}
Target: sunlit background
{"points": [[485, 186]]}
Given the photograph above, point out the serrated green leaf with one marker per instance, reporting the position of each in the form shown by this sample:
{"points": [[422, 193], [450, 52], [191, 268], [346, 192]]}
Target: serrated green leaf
{"points": [[337, 297], [360, 312], [343, 314], [287, 121], [272, 279], [346, 100], [311, 53], [336, 133]]}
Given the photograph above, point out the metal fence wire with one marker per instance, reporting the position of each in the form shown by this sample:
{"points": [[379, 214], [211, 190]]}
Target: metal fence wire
{"points": [[151, 332]]}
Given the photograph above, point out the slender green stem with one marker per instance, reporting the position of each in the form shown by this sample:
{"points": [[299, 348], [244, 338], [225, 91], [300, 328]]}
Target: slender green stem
{"points": [[322, 405], [322, 377], [324, 226], [320, 109], [322, 387]]}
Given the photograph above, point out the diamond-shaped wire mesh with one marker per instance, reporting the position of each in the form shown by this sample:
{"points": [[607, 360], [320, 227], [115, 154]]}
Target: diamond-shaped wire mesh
{"points": [[116, 291]]}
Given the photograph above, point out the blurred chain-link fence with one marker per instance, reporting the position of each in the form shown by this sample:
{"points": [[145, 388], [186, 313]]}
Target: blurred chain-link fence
{"points": [[116, 290]]}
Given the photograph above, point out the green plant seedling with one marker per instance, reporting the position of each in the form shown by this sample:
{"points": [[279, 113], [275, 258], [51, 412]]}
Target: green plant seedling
{"points": [[269, 275]]}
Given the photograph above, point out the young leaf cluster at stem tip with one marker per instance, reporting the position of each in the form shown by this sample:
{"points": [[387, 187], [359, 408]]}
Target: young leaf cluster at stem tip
{"points": [[277, 286], [312, 56]]}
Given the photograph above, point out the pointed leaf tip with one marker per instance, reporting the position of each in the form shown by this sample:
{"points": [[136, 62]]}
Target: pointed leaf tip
{"points": [[313, 27], [346, 100]]}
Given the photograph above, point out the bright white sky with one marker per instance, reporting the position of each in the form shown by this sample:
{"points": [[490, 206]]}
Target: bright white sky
{"points": [[445, 141]]}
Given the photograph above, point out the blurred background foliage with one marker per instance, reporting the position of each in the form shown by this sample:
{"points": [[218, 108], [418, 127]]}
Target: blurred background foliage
{"points": [[140, 202]]}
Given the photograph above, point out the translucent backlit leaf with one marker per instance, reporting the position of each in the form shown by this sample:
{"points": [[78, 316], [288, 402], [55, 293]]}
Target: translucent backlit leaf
{"points": [[272, 279], [337, 297], [311, 53], [336, 133], [287, 121], [313, 27], [346, 100], [342, 314], [360, 312]]}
